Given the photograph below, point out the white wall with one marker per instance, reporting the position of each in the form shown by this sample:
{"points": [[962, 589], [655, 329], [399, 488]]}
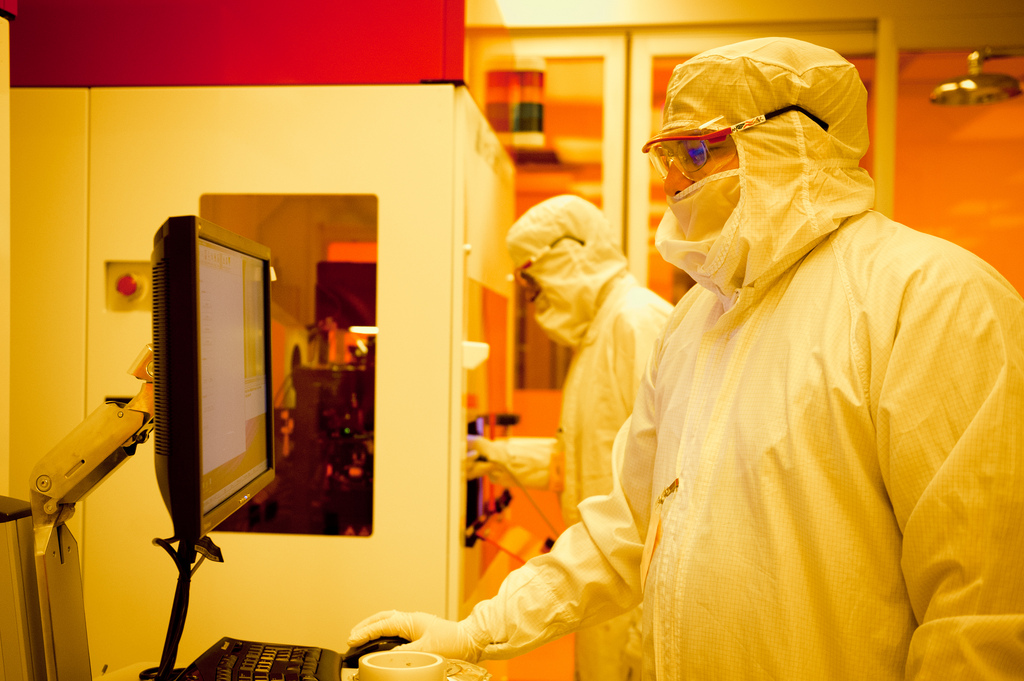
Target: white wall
{"points": [[153, 153], [49, 150]]}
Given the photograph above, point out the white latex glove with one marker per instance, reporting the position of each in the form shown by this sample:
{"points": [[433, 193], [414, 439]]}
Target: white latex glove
{"points": [[477, 468], [516, 461], [428, 633], [490, 459], [492, 450]]}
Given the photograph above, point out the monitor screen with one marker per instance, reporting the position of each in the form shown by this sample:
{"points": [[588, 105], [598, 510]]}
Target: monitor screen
{"points": [[213, 420]]}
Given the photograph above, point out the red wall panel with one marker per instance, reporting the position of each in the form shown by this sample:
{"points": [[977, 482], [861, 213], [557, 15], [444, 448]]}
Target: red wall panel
{"points": [[236, 42]]}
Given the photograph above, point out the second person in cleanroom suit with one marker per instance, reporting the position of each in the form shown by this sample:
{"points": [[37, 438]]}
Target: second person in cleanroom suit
{"points": [[586, 300], [823, 475]]}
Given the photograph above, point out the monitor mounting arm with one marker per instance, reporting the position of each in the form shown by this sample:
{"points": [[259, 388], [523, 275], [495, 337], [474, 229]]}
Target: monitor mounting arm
{"points": [[66, 475]]}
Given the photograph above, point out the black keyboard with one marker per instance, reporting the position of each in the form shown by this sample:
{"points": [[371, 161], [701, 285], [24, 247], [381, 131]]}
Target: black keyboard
{"points": [[231, 659]]}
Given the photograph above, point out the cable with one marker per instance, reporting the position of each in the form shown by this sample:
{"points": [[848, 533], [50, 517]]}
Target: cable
{"points": [[175, 627], [499, 547], [183, 558], [527, 493]]}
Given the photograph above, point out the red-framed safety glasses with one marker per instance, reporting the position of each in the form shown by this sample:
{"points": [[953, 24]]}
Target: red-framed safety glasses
{"points": [[690, 148]]}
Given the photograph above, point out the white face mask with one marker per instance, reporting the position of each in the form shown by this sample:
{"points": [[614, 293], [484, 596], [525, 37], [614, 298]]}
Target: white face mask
{"points": [[701, 212], [558, 321]]}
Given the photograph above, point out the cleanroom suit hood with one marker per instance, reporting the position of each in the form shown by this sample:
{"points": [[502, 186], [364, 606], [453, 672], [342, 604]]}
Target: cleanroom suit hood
{"points": [[797, 181], [576, 263], [825, 455]]}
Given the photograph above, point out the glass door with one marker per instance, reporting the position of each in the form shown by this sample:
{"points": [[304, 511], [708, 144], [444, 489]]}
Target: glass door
{"points": [[581, 153]]}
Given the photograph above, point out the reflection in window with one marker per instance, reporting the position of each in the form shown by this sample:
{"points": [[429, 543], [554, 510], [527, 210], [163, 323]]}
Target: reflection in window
{"points": [[568, 163], [323, 341]]}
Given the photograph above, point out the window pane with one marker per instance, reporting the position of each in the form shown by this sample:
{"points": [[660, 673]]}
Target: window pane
{"points": [[323, 308]]}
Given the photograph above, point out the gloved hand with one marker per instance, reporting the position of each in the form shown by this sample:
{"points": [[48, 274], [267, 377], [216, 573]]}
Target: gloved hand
{"points": [[491, 459], [428, 633], [477, 467], [515, 462]]}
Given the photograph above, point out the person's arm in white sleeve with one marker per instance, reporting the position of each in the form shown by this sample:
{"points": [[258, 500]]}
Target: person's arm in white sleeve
{"points": [[950, 421], [593, 570], [591, 573]]}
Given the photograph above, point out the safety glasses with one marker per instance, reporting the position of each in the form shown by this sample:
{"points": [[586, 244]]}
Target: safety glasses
{"points": [[524, 279], [691, 149], [528, 283]]}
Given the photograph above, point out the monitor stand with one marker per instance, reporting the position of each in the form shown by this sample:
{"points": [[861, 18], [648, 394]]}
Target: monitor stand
{"points": [[21, 635], [67, 606], [53, 627], [22, 648]]}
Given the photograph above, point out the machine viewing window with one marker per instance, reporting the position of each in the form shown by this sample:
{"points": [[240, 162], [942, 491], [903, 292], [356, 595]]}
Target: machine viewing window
{"points": [[322, 352]]}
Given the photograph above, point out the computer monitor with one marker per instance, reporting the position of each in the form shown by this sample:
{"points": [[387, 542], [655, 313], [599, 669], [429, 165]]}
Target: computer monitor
{"points": [[212, 380]]}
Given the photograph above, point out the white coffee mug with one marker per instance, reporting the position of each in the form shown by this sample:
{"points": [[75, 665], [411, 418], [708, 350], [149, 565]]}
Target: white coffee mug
{"points": [[402, 665]]}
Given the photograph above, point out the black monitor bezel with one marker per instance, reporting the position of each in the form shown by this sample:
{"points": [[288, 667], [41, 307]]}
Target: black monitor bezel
{"points": [[177, 374]]}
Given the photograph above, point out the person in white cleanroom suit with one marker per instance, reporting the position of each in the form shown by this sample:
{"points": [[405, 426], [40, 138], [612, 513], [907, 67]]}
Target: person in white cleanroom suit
{"points": [[586, 300], [841, 403]]}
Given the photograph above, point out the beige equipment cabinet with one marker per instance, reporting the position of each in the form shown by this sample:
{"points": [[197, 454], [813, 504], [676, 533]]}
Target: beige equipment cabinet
{"points": [[99, 171]]}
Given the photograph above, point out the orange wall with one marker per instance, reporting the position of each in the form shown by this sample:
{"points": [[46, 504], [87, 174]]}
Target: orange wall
{"points": [[959, 170]]}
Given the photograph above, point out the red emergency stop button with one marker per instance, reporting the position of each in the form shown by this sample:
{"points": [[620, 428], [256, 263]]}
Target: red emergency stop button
{"points": [[127, 285]]}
